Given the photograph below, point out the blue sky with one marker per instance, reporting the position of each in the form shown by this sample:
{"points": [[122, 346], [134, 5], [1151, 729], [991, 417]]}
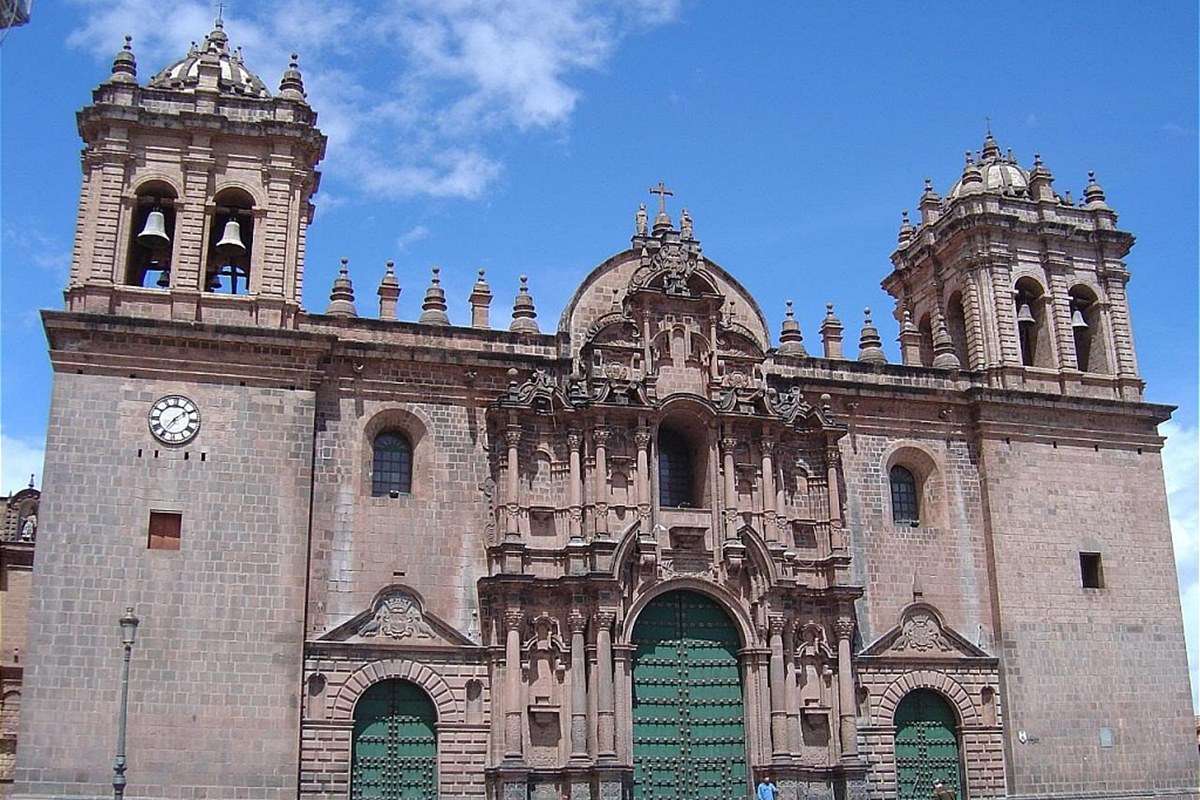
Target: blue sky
{"points": [[520, 136]]}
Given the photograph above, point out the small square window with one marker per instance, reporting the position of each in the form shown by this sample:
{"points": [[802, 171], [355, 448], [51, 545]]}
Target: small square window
{"points": [[165, 528], [1091, 571]]}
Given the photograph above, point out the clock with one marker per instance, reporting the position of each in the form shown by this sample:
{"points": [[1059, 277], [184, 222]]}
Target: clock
{"points": [[174, 419]]}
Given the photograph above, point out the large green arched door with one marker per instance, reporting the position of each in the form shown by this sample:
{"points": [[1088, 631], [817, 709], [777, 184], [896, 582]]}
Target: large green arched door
{"points": [[926, 746], [394, 751], [689, 734]]}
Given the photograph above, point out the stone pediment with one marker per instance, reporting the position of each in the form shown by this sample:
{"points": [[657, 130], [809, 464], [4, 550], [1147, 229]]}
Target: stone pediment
{"points": [[921, 634], [397, 616]]}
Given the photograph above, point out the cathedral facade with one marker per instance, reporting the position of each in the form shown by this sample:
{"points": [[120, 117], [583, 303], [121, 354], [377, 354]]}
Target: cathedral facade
{"points": [[649, 554]]}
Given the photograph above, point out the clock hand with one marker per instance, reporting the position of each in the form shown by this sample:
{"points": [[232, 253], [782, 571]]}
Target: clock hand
{"points": [[169, 423]]}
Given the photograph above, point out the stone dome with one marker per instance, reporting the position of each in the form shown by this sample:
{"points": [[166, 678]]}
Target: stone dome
{"points": [[235, 78], [998, 174]]}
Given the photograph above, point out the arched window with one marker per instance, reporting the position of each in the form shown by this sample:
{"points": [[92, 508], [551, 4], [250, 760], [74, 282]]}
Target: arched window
{"points": [[1033, 334], [231, 241], [1091, 354], [151, 236], [906, 508], [391, 465], [394, 746], [676, 478]]}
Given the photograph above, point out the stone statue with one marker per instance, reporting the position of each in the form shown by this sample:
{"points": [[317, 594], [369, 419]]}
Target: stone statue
{"points": [[640, 225], [29, 528], [685, 224]]}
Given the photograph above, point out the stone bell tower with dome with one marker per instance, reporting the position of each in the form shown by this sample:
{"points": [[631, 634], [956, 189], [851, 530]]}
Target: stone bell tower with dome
{"points": [[197, 191]]}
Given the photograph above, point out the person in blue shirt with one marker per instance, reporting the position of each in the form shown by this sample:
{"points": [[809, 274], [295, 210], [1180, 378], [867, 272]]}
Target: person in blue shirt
{"points": [[767, 790]]}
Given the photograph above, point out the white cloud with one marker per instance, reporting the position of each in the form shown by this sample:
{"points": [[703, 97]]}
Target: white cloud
{"points": [[19, 458], [405, 90], [414, 234], [39, 249], [1181, 465]]}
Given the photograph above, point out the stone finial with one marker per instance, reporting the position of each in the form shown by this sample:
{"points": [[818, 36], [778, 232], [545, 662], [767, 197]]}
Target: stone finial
{"points": [[930, 204], [991, 150], [910, 341], [341, 297], [831, 333], [662, 220], [1067, 200], [433, 308], [944, 355], [524, 315], [972, 177], [791, 341], [1093, 194], [291, 86], [917, 592], [389, 292], [870, 346], [906, 230], [480, 300], [124, 65], [1041, 182]]}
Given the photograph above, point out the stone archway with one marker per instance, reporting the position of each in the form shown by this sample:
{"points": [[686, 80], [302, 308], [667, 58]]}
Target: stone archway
{"points": [[689, 732]]}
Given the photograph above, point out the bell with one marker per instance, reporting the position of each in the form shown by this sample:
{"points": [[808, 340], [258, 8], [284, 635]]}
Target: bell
{"points": [[231, 239], [1077, 320], [154, 232], [1024, 315]]}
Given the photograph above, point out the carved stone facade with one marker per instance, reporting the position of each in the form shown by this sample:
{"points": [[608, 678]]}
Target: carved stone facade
{"points": [[486, 518], [18, 536]]}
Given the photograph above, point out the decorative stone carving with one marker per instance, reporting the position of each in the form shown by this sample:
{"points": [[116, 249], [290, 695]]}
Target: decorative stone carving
{"points": [[921, 632], [398, 616]]}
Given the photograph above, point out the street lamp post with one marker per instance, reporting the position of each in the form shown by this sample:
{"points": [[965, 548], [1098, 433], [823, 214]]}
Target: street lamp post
{"points": [[129, 624]]}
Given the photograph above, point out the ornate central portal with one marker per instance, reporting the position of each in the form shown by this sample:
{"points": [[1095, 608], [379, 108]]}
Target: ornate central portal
{"points": [[689, 734]]}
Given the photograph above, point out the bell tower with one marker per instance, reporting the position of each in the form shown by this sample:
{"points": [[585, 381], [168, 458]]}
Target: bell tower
{"points": [[1007, 277], [197, 191]]}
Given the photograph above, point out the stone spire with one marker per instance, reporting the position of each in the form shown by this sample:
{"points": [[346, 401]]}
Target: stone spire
{"points": [[124, 66], [910, 341], [870, 346], [906, 230], [480, 300], [341, 298], [389, 292], [524, 315], [944, 356], [1093, 195], [991, 150], [433, 308], [972, 178], [1041, 182], [791, 342], [930, 204], [291, 86], [831, 333]]}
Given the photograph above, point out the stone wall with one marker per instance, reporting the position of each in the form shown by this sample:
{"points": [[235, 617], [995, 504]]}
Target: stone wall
{"points": [[213, 706]]}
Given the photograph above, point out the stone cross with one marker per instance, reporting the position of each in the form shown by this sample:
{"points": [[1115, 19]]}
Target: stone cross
{"points": [[663, 192]]}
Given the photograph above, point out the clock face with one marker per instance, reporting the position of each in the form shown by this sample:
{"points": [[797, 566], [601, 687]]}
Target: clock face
{"points": [[174, 419]]}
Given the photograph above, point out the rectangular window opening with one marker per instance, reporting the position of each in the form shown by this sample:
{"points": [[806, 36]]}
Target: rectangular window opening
{"points": [[1091, 571], [165, 529]]}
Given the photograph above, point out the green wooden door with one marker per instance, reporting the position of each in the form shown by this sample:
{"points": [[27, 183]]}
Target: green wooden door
{"points": [[926, 746], [689, 735], [394, 748]]}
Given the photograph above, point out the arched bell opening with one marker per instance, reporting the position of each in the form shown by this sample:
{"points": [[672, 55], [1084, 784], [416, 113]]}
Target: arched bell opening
{"points": [[956, 324], [927, 746], [151, 236], [688, 700], [1087, 329], [393, 749], [925, 328], [231, 243], [1033, 333]]}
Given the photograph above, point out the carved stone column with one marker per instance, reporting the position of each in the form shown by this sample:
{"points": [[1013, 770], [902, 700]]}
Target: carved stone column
{"points": [[574, 488], [513, 745], [833, 458], [578, 623], [600, 441], [641, 438], [768, 489], [778, 689], [728, 446], [791, 696], [844, 628], [512, 488], [605, 705]]}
